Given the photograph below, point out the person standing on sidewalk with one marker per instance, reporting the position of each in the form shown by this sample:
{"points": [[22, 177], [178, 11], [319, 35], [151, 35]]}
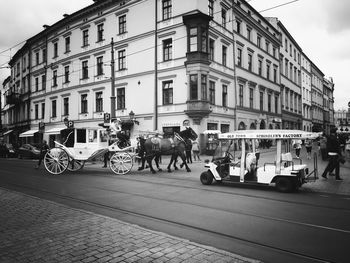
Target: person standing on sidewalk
{"points": [[297, 146], [43, 150], [195, 149], [334, 153], [308, 146]]}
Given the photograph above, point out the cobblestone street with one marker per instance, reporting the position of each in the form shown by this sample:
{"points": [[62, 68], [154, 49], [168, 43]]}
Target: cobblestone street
{"points": [[36, 230]]}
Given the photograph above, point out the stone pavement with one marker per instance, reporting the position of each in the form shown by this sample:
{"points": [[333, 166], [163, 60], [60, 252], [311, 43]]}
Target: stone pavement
{"points": [[36, 230]]}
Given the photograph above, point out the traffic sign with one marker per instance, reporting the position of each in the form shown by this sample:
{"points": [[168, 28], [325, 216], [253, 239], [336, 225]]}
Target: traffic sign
{"points": [[70, 124], [107, 117]]}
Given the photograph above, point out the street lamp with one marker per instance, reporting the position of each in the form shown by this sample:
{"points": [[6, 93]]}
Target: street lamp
{"points": [[132, 115]]}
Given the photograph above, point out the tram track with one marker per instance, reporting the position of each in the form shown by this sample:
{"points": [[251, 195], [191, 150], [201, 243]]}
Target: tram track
{"points": [[172, 222]]}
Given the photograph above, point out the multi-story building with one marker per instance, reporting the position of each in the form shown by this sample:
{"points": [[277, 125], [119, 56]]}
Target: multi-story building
{"points": [[342, 120], [328, 108], [317, 98], [306, 92], [257, 43], [290, 68]]}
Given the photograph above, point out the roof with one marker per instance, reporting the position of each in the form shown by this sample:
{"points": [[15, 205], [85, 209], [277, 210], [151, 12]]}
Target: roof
{"points": [[269, 134]]}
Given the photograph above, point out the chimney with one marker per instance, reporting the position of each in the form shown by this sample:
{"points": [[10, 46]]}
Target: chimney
{"points": [[46, 26], [65, 15]]}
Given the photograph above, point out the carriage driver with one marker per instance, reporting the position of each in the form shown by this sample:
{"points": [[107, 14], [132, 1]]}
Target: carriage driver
{"points": [[116, 130]]}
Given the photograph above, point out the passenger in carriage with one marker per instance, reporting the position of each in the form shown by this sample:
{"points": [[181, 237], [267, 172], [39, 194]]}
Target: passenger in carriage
{"points": [[116, 130]]}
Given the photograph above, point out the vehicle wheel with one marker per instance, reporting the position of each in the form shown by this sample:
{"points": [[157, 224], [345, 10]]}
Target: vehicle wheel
{"points": [[206, 178], [121, 163], [56, 161], [284, 184], [75, 165]]}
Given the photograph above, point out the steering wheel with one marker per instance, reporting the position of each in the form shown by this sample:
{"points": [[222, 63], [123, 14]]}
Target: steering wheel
{"points": [[229, 155]]}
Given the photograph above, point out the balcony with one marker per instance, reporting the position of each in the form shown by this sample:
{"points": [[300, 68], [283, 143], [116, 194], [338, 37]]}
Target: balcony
{"points": [[197, 57], [197, 109], [12, 98]]}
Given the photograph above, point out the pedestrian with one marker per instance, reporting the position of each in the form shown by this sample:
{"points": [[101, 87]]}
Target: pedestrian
{"points": [[308, 146], [347, 147], [195, 149], [334, 153], [323, 147], [297, 146], [188, 149], [43, 150]]}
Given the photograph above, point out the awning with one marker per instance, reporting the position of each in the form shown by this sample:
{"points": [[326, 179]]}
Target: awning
{"points": [[211, 132], [29, 133], [55, 130], [9, 131]]}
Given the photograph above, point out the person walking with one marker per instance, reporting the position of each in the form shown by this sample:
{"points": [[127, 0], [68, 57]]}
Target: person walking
{"points": [[297, 146], [43, 150], [334, 153], [188, 149], [195, 149], [323, 147], [308, 146], [347, 147]]}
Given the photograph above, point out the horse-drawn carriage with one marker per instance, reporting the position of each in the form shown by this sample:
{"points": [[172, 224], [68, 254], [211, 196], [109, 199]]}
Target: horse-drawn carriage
{"points": [[84, 145]]}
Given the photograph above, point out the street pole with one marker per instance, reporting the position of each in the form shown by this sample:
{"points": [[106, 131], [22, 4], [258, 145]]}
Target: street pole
{"points": [[155, 123], [112, 81], [234, 68]]}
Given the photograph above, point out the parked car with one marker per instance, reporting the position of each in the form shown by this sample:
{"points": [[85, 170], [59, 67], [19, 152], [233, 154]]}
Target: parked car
{"points": [[28, 151], [10, 151]]}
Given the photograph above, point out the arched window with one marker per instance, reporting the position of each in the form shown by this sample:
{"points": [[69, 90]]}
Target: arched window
{"points": [[262, 125], [241, 126]]}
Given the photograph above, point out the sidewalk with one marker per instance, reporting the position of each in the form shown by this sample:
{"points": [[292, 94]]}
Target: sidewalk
{"points": [[35, 230]]}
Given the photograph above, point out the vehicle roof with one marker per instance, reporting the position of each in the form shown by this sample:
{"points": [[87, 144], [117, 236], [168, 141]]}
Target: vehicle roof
{"points": [[269, 134]]}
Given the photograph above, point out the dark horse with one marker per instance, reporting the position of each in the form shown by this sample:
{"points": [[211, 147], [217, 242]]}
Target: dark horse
{"points": [[155, 147]]}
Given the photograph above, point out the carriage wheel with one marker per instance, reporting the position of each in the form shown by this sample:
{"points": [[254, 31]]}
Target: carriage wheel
{"points": [[121, 163], [56, 160], [75, 165]]}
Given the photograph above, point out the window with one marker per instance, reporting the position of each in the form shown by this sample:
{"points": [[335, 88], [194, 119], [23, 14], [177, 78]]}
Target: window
{"points": [[37, 84], [100, 32], [286, 68], [122, 59], [223, 18], [167, 92], [275, 73], [269, 102], [85, 69], [211, 8], [36, 111], [167, 49], [239, 57], [44, 55], [54, 78], [260, 67], [67, 44], [250, 61], [37, 62], [224, 95], [53, 108], [211, 49], [42, 110], [43, 82], [286, 45], [66, 106], [290, 49], [224, 55], [66, 74], [291, 71], [204, 87], [258, 41], [204, 40], [167, 9], [274, 52], [240, 102], [268, 71], [55, 50], [251, 98], [211, 92], [267, 45], [286, 99], [99, 101], [122, 24], [84, 103], [276, 104], [193, 87], [261, 100], [238, 26], [193, 39], [99, 63], [120, 98], [85, 38], [249, 34]]}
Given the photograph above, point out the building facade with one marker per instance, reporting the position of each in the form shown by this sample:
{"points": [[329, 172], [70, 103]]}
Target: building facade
{"points": [[317, 98], [213, 65], [306, 92]]}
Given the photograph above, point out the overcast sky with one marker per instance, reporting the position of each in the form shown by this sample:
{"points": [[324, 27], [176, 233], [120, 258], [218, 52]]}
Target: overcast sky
{"points": [[321, 28]]}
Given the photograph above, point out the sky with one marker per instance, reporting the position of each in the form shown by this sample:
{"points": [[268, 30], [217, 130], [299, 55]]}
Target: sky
{"points": [[320, 27]]}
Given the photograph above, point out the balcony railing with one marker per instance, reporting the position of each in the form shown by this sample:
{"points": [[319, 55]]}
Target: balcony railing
{"points": [[197, 109]]}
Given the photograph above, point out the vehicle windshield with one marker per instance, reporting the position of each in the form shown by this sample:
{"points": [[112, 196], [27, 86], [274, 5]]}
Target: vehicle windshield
{"points": [[225, 146]]}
